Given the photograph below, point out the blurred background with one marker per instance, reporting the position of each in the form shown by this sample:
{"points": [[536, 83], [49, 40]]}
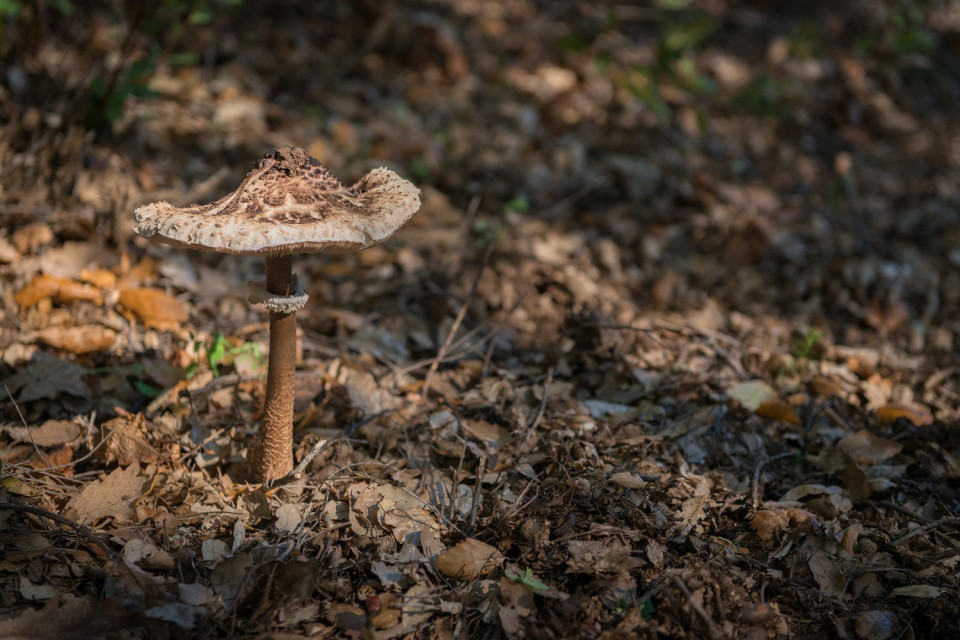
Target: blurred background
{"points": [[795, 161]]}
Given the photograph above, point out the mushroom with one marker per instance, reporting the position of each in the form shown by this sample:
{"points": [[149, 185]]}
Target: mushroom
{"points": [[288, 204]]}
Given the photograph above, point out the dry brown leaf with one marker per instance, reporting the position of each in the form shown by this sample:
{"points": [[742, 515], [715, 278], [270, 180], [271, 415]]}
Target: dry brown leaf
{"points": [[593, 556], [856, 482], [865, 448], [827, 573], [768, 523], [61, 290], [919, 416], [101, 278], [112, 496], [155, 308], [83, 339], [468, 560], [778, 410], [51, 433], [31, 237], [127, 441]]}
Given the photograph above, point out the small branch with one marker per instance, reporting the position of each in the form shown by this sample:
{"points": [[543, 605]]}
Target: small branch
{"points": [[477, 490], [456, 325], [56, 517], [698, 608]]}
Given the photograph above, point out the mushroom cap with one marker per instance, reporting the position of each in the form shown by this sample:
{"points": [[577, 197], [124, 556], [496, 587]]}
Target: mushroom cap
{"points": [[289, 203]]}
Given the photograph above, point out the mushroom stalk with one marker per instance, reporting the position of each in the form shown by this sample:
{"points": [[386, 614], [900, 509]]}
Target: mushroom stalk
{"points": [[275, 455]]}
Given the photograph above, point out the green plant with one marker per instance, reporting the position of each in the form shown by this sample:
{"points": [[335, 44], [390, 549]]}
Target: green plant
{"points": [[220, 353], [527, 579], [167, 21], [807, 343]]}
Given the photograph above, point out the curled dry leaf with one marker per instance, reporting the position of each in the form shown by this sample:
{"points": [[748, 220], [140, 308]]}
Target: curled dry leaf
{"points": [[127, 441], [61, 290], [919, 416], [156, 309], [468, 560], [83, 339], [778, 410], [768, 523]]}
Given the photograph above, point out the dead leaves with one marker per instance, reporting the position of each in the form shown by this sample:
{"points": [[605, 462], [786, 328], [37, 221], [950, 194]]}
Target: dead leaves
{"points": [[113, 496], [468, 560], [155, 308]]}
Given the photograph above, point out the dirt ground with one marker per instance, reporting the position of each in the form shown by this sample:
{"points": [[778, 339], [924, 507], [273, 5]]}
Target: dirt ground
{"points": [[669, 351]]}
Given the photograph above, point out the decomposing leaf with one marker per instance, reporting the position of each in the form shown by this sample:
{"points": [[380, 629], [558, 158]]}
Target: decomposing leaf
{"points": [[592, 556], [876, 625], [155, 309], [126, 438], [468, 560], [827, 572], [48, 378], [865, 448]]}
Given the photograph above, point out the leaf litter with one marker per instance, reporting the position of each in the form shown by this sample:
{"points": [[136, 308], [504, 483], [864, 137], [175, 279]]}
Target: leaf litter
{"points": [[669, 352]]}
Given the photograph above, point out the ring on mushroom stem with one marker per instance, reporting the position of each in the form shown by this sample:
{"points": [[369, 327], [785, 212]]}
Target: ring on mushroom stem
{"points": [[288, 204]]}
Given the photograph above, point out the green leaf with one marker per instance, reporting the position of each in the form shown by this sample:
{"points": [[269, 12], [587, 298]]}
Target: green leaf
{"points": [[527, 579]]}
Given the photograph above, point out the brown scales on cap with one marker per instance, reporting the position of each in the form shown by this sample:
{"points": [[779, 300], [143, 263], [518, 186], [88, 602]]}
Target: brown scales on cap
{"points": [[289, 203]]}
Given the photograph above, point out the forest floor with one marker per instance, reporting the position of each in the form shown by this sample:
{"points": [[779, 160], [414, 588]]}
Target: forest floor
{"points": [[669, 351]]}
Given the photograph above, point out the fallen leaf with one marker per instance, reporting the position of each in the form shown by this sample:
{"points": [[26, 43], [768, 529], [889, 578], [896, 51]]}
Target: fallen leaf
{"points": [[919, 416], [827, 573], [592, 556], [876, 625], [752, 393], [127, 441], [628, 480], [468, 560], [61, 290], [155, 309], [778, 410], [51, 433], [288, 517], [31, 237], [917, 591], [48, 379], [112, 496], [83, 339], [865, 448]]}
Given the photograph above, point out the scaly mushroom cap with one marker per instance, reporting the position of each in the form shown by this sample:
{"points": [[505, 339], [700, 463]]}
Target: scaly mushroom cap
{"points": [[289, 203]]}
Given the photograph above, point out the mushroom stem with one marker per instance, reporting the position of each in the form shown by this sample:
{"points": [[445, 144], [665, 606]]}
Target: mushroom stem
{"points": [[275, 455]]}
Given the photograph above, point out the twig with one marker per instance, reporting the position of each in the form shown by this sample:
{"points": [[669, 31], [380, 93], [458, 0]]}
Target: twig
{"points": [[535, 420], [477, 490], [698, 607], [925, 528], [756, 473], [456, 324], [76, 526], [23, 420]]}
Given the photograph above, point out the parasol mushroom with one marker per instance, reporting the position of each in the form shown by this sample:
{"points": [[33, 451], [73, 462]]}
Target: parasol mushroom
{"points": [[288, 204]]}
